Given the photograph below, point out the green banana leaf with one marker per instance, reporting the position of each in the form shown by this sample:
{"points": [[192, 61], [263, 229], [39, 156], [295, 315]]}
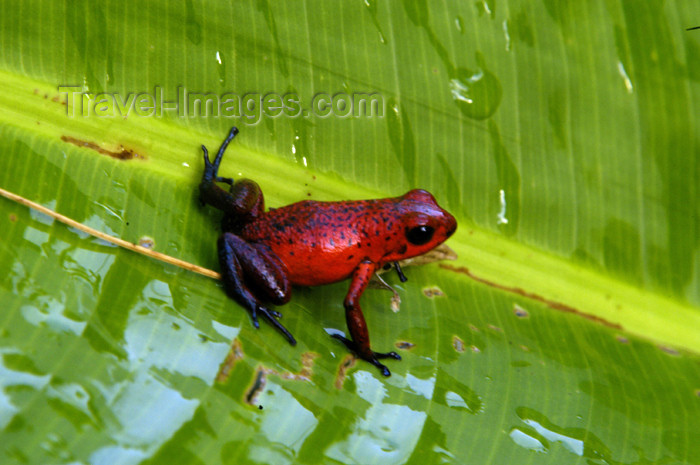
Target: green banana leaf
{"points": [[561, 134]]}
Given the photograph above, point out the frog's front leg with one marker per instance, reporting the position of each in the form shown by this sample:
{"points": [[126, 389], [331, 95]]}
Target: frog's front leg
{"points": [[246, 266], [356, 320]]}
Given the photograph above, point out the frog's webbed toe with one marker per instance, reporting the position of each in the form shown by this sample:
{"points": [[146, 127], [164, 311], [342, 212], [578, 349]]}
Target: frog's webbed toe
{"points": [[271, 316], [391, 354], [371, 356]]}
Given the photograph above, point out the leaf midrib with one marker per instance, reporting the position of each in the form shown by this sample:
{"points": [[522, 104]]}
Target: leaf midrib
{"points": [[510, 266]]}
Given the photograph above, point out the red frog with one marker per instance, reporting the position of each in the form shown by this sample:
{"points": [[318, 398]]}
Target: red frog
{"points": [[264, 253]]}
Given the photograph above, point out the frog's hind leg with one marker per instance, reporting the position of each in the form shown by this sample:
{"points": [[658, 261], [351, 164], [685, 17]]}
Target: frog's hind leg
{"points": [[211, 170], [209, 192], [243, 201], [243, 265]]}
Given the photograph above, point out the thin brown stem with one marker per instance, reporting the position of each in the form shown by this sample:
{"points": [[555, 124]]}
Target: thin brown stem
{"points": [[111, 239]]}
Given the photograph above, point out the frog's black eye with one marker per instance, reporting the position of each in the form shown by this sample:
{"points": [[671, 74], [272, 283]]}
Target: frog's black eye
{"points": [[420, 235]]}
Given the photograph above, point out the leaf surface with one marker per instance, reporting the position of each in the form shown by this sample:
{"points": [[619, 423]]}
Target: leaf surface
{"points": [[562, 135]]}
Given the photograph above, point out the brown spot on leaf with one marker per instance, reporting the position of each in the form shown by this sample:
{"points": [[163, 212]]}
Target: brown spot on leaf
{"points": [[347, 363], [147, 242], [669, 350], [431, 292], [405, 345], [520, 312], [262, 373], [458, 344], [235, 354], [257, 387], [531, 295], [121, 154], [395, 302]]}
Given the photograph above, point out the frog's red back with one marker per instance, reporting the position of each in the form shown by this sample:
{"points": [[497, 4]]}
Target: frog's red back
{"points": [[323, 242]]}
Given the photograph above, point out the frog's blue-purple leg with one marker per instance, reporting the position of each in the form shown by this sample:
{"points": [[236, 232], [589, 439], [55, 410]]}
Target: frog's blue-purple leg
{"points": [[356, 320], [239, 259], [209, 192], [244, 200], [262, 270]]}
